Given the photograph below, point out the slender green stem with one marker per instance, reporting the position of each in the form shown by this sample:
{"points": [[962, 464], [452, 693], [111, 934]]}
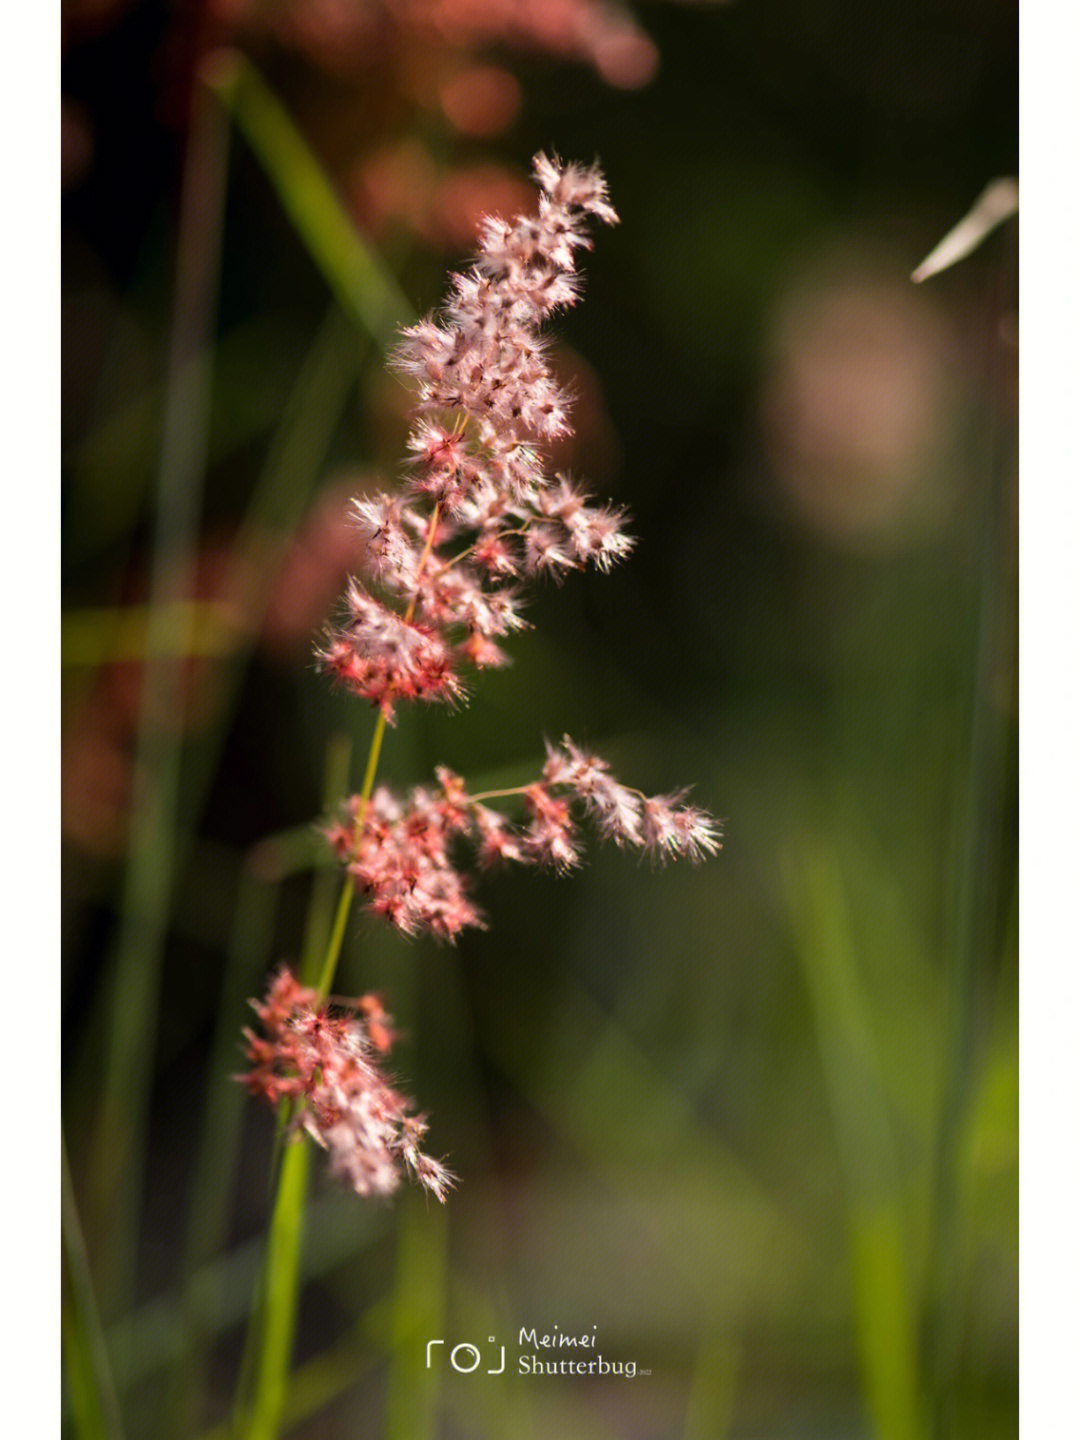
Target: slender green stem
{"points": [[282, 1295], [372, 762], [337, 935], [878, 1235], [978, 892], [218, 1155], [497, 794]]}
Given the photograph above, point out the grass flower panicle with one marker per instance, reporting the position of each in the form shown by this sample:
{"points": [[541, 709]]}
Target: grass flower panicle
{"points": [[328, 1066], [445, 562], [479, 514]]}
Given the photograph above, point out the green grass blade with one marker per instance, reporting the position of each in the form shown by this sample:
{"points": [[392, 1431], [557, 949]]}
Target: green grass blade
{"points": [[879, 1243], [417, 1315], [364, 286], [91, 1390], [712, 1393], [317, 1383], [151, 1337], [217, 1157], [112, 635], [120, 1129]]}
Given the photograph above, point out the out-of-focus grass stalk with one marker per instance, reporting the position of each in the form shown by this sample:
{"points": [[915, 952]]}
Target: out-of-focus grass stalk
{"points": [[417, 1315], [111, 634], [218, 1153], [151, 1338], [311, 414], [712, 1393], [363, 284], [318, 1382], [979, 886], [590, 1053], [878, 1235], [285, 484], [86, 1359], [118, 1154]]}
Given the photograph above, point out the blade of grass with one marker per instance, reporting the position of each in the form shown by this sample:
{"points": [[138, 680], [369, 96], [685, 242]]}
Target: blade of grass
{"points": [[879, 1244], [417, 1314], [218, 1154], [112, 634], [645, 1123], [317, 1383], [118, 1155], [162, 839], [997, 203], [151, 1337], [712, 1393], [86, 1357], [982, 838], [364, 286], [112, 466], [265, 1368]]}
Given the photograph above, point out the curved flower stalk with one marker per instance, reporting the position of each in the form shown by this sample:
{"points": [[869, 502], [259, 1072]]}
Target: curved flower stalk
{"points": [[446, 560]]}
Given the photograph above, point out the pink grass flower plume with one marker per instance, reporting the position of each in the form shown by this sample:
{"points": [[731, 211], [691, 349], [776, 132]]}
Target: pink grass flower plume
{"points": [[446, 558], [328, 1065]]}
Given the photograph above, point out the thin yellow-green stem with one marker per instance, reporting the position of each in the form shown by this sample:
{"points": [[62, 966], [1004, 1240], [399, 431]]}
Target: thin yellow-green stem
{"points": [[282, 1292], [337, 936], [498, 794]]}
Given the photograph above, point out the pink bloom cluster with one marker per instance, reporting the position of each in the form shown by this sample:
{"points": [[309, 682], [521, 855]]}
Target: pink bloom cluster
{"points": [[479, 513], [401, 853], [328, 1066]]}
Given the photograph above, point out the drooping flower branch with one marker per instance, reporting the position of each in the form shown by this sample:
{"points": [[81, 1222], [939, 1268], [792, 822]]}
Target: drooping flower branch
{"points": [[405, 856]]}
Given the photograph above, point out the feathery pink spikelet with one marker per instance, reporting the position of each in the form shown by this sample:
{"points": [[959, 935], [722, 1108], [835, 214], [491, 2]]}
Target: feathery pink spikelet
{"points": [[328, 1065]]}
